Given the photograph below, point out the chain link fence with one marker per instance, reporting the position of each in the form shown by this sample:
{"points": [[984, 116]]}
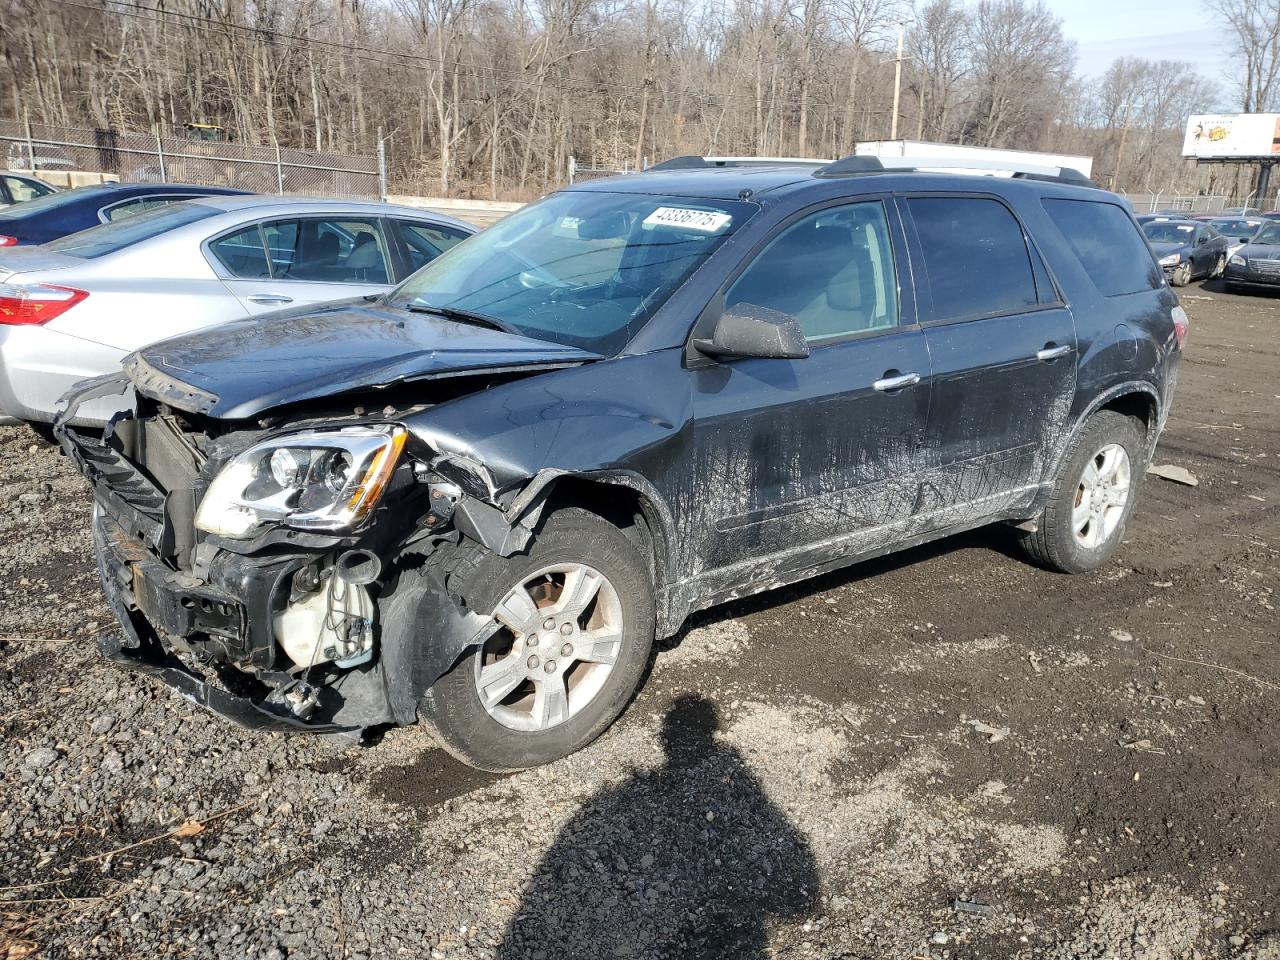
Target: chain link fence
{"points": [[155, 158], [579, 173], [1186, 203]]}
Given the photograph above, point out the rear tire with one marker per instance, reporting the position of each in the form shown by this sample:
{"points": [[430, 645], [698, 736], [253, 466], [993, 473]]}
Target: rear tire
{"points": [[1220, 267], [535, 693], [1084, 520]]}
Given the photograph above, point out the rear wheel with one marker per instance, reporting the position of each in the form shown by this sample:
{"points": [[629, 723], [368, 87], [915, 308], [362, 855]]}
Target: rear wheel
{"points": [[1093, 496], [576, 621], [1220, 267]]}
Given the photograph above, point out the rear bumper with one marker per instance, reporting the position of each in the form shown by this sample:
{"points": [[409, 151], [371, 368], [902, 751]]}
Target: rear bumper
{"points": [[39, 365]]}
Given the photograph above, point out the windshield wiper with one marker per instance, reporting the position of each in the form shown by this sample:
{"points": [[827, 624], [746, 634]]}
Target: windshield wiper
{"points": [[463, 316]]}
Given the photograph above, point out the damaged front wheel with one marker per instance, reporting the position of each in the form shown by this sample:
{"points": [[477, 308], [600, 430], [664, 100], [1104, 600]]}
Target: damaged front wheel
{"points": [[576, 621]]}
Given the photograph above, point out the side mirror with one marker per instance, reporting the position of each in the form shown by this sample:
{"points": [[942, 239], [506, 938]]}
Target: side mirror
{"points": [[1201, 239], [748, 330]]}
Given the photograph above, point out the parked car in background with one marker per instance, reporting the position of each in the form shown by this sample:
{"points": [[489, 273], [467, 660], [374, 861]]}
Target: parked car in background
{"points": [[69, 211], [1239, 212], [39, 156], [1187, 249], [477, 500], [21, 187], [73, 308], [1257, 263], [1237, 230]]}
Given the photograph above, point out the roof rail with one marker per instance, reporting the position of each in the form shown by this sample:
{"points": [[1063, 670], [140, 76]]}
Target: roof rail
{"points": [[857, 164], [707, 163], [848, 166]]}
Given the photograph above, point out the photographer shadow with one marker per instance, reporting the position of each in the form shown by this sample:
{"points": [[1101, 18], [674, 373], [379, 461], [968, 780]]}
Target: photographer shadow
{"points": [[689, 860]]}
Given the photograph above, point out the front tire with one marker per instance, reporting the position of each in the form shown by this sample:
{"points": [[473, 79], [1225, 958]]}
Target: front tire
{"points": [[1182, 274], [1093, 496], [576, 616]]}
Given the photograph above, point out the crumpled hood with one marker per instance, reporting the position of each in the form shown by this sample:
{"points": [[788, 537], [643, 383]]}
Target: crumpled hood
{"points": [[1165, 247], [1260, 251], [242, 368]]}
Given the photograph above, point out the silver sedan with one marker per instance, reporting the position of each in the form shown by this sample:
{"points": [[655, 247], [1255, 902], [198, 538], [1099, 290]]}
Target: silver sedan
{"points": [[74, 308]]}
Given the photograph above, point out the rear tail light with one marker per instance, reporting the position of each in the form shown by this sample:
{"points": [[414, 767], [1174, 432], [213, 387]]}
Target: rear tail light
{"points": [[8, 241], [1180, 326], [36, 303]]}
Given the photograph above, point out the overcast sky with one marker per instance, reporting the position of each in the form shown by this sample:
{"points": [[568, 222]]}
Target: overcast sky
{"points": [[1156, 29]]}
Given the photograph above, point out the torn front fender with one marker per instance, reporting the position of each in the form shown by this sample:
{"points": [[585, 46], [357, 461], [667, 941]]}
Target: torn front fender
{"points": [[425, 631]]}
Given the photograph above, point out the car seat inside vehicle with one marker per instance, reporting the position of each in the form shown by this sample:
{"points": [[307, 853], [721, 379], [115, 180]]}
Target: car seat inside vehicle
{"points": [[826, 271], [365, 263]]}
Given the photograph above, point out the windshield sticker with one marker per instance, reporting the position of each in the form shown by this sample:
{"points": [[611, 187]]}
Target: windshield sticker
{"points": [[1186, 229], [687, 218]]}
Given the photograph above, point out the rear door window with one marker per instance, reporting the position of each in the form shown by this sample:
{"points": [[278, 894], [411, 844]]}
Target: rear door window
{"points": [[323, 250], [1107, 244], [976, 259], [423, 242]]}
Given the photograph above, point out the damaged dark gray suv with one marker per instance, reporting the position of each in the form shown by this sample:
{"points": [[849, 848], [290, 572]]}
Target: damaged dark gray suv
{"points": [[477, 500]]}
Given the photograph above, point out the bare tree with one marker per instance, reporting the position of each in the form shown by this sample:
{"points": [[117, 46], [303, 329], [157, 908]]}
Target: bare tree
{"points": [[1020, 58], [1255, 25], [938, 45], [492, 97]]}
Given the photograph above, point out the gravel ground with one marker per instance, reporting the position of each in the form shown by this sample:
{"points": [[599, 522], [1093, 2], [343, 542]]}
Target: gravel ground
{"points": [[819, 772]]}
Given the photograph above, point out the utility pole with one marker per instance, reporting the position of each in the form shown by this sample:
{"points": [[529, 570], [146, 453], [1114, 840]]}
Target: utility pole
{"points": [[897, 84]]}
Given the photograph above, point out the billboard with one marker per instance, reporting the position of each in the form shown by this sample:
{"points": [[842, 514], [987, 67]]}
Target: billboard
{"points": [[1218, 136]]}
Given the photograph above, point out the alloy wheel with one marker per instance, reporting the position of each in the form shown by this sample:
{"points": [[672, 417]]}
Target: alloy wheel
{"points": [[1102, 495], [560, 634]]}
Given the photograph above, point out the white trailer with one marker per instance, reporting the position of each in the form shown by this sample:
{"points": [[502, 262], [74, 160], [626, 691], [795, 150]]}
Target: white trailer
{"points": [[984, 157]]}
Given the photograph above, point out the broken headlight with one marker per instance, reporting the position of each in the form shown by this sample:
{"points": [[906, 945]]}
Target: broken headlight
{"points": [[318, 480]]}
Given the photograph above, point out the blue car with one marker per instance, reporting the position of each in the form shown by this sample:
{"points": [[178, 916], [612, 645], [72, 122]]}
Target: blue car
{"points": [[58, 214]]}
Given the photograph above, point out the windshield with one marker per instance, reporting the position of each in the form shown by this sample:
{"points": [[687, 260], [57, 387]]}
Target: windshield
{"points": [[109, 237], [1169, 231], [50, 201], [585, 269], [1238, 229], [1268, 234]]}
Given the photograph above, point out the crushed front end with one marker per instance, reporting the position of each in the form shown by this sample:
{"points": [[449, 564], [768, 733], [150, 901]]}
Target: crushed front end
{"points": [[252, 564]]}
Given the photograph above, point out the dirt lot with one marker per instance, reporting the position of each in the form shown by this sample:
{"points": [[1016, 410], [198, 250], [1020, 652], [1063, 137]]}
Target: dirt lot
{"points": [[820, 772]]}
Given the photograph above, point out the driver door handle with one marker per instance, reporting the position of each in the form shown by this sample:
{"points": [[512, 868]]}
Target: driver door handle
{"points": [[269, 298], [1050, 352], [889, 384]]}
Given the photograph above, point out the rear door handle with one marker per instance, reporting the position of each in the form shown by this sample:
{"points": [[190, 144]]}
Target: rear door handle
{"points": [[1053, 353], [889, 384], [268, 298]]}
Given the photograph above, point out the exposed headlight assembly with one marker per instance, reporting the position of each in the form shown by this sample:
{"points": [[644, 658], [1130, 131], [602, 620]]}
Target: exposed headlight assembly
{"points": [[317, 480], [1172, 260]]}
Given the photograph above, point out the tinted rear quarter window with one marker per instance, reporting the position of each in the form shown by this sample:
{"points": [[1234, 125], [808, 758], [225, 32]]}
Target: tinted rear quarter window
{"points": [[975, 255], [1107, 244]]}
